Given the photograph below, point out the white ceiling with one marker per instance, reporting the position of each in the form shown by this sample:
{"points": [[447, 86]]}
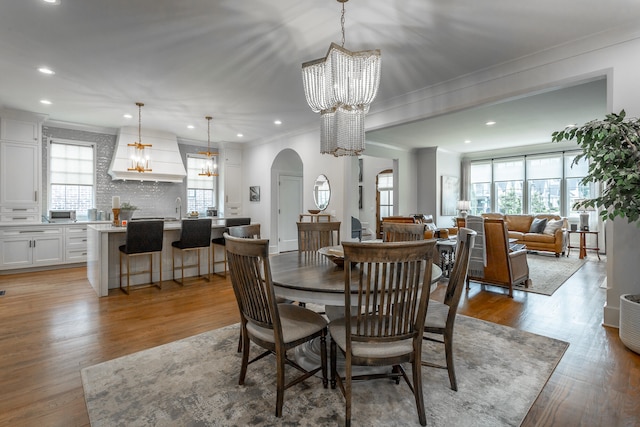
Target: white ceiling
{"points": [[239, 61]]}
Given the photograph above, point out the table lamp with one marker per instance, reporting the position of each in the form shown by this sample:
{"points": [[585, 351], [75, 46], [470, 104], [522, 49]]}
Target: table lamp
{"points": [[584, 214], [463, 207]]}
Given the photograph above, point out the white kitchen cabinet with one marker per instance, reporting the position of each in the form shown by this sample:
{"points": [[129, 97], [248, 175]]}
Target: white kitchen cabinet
{"points": [[19, 175], [232, 190], [232, 182], [20, 166], [76, 243], [31, 247], [24, 129]]}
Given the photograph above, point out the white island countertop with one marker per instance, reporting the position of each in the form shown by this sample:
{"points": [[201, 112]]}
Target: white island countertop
{"points": [[103, 258]]}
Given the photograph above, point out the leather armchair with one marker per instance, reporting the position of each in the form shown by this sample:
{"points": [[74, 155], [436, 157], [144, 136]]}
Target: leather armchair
{"points": [[504, 268]]}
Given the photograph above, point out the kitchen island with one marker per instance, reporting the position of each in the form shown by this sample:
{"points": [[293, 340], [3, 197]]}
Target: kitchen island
{"points": [[103, 257]]}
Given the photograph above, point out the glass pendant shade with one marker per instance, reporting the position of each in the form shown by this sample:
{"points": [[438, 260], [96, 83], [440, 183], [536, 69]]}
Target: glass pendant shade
{"points": [[139, 153], [210, 167], [341, 87]]}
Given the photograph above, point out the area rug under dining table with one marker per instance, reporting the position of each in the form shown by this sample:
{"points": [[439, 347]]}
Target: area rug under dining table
{"points": [[194, 381]]}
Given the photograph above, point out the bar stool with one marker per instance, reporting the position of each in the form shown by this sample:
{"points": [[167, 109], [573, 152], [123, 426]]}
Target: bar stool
{"points": [[194, 235], [228, 222], [143, 238]]}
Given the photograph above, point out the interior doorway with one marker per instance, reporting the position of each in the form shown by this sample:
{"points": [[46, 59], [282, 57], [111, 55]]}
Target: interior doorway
{"points": [[384, 198], [290, 206], [286, 200]]}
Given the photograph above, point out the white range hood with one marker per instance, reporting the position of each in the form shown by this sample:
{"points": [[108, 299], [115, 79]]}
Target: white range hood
{"points": [[165, 164]]}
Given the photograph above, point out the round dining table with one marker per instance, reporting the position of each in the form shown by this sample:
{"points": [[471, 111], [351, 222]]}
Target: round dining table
{"points": [[316, 279]]}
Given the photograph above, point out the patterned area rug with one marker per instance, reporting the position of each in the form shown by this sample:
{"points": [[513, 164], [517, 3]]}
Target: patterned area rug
{"points": [[548, 273], [193, 382]]}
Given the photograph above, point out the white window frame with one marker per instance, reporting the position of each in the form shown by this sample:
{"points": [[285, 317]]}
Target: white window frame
{"points": [[92, 145]]}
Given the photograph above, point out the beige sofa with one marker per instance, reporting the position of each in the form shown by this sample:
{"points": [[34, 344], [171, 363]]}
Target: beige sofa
{"points": [[550, 239]]}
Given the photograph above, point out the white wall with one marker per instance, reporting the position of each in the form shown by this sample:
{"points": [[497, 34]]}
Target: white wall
{"points": [[257, 162]]}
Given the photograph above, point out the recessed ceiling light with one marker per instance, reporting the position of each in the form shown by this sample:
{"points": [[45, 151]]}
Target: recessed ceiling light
{"points": [[572, 125], [490, 123], [278, 122], [191, 127], [467, 141], [45, 102], [239, 135], [52, 1], [46, 70], [127, 116]]}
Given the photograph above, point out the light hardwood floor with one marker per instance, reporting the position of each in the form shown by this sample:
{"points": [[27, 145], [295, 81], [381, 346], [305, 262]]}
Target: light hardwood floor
{"points": [[53, 325]]}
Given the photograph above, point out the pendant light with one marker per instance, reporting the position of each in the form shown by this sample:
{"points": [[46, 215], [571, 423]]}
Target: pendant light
{"points": [[139, 153], [211, 165]]}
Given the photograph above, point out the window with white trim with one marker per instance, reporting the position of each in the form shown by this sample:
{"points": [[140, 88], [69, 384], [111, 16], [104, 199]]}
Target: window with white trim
{"points": [[541, 183], [201, 190], [72, 176]]}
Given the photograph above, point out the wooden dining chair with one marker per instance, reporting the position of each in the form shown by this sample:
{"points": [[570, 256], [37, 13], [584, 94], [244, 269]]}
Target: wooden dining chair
{"points": [[272, 326], [251, 231], [441, 316], [383, 285], [315, 235], [402, 232]]}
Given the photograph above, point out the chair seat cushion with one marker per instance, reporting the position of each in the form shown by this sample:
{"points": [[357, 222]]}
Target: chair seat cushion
{"points": [[218, 241], [297, 322], [437, 313], [370, 350], [185, 245]]}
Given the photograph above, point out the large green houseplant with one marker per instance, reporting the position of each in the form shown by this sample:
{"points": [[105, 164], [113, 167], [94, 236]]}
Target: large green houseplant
{"points": [[612, 146]]}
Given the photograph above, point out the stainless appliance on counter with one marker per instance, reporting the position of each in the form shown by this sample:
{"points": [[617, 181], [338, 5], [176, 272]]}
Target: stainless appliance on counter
{"points": [[212, 212], [62, 215]]}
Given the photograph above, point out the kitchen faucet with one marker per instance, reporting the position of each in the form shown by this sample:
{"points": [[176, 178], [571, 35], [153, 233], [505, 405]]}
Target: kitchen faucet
{"points": [[179, 207]]}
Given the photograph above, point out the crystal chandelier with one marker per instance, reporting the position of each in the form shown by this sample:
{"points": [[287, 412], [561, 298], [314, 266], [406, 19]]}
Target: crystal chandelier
{"points": [[340, 87], [139, 153], [210, 166]]}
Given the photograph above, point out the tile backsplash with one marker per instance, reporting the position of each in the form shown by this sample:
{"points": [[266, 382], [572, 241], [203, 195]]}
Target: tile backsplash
{"points": [[153, 199]]}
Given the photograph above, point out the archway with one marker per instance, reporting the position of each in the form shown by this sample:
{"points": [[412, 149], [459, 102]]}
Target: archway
{"points": [[286, 200]]}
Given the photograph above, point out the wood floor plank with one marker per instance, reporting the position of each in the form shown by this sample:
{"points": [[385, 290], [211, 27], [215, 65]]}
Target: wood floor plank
{"points": [[53, 325]]}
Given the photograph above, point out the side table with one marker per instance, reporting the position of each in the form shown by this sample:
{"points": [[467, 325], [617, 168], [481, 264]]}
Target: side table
{"points": [[447, 250], [583, 243]]}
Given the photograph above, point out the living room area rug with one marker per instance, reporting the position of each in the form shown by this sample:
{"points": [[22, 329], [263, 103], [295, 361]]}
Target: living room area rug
{"points": [[194, 381], [548, 273]]}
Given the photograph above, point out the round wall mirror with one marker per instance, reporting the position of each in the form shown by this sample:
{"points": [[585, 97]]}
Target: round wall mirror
{"points": [[322, 192]]}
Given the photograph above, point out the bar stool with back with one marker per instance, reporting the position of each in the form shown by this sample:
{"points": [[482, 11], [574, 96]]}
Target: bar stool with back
{"points": [[219, 240], [143, 238], [195, 234]]}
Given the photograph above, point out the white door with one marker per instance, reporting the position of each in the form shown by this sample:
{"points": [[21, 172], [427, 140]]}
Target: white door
{"points": [[289, 209]]}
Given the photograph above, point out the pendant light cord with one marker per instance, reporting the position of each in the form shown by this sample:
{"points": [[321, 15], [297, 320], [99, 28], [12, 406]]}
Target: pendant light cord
{"points": [[342, 23]]}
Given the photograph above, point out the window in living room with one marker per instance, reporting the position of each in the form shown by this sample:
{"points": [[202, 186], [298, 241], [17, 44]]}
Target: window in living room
{"points": [[544, 179], [533, 184], [508, 177], [575, 190], [201, 190], [480, 194]]}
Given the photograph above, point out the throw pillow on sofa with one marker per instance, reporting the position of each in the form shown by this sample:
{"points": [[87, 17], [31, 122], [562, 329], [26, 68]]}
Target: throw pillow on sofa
{"points": [[538, 225], [552, 226]]}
